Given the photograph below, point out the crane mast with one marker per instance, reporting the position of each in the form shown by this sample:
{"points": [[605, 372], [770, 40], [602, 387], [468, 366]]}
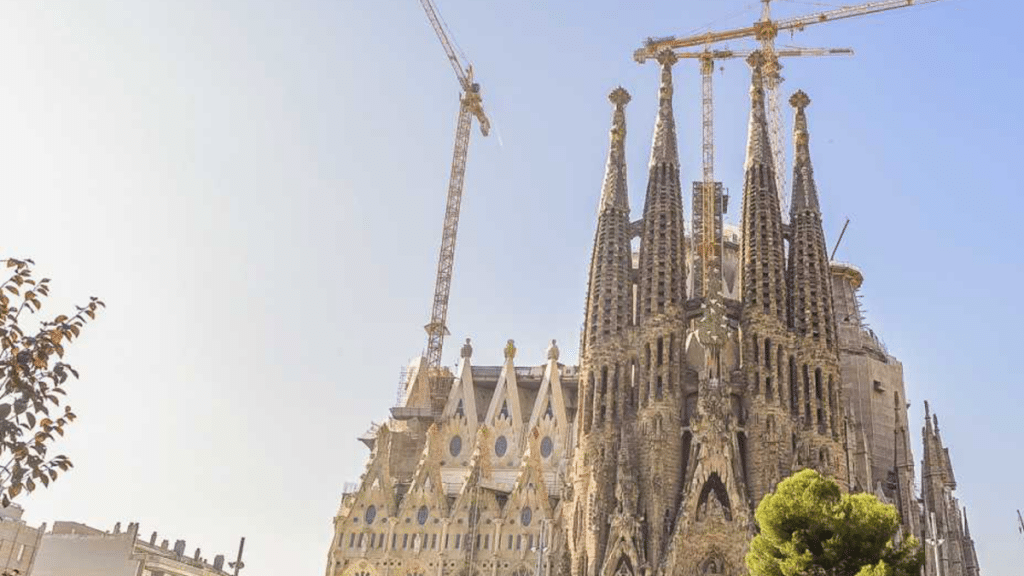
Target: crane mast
{"points": [[470, 105], [708, 196]]}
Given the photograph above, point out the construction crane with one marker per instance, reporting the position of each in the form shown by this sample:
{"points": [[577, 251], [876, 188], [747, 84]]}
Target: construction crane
{"points": [[833, 256], [707, 59], [765, 31], [470, 105]]}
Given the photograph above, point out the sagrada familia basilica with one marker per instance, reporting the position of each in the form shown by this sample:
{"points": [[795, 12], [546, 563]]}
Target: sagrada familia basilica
{"points": [[712, 365]]}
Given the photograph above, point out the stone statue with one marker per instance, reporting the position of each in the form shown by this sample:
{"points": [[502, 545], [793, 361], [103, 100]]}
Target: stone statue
{"points": [[553, 351], [467, 349]]}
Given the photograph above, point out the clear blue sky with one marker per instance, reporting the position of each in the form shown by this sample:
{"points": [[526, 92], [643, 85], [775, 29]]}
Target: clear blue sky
{"points": [[256, 188]]}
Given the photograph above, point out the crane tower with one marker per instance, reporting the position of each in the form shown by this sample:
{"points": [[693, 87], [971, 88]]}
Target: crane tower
{"points": [[470, 106]]}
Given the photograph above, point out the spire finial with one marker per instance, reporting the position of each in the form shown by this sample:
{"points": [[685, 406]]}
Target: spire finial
{"points": [[614, 194], [619, 97], [510, 350], [758, 143], [665, 148], [553, 351], [666, 58], [805, 193], [800, 100]]}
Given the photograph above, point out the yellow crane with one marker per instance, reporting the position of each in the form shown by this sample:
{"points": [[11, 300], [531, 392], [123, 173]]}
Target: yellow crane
{"points": [[711, 277], [765, 31], [470, 105]]}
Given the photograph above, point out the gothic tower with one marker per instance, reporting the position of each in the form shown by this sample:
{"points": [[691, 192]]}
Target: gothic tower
{"points": [[811, 316], [766, 343], [605, 368], [661, 296], [949, 549]]}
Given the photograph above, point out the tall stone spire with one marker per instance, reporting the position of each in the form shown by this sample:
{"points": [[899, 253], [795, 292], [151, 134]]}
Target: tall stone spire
{"points": [[809, 282], [662, 257], [605, 365], [661, 295], [664, 147], [610, 294], [759, 149], [809, 285], [805, 195], [958, 557], [762, 255]]}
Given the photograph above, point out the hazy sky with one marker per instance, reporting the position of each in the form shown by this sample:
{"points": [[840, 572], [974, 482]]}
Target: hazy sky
{"points": [[256, 188]]}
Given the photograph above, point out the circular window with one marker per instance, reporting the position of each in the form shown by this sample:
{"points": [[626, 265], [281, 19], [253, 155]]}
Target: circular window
{"points": [[547, 446], [526, 516], [371, 513], [422, 514], [455, 446], [501, 446]]}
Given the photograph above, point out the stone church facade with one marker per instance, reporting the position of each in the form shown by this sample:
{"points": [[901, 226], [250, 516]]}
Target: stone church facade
{"points": [[712, 365]]}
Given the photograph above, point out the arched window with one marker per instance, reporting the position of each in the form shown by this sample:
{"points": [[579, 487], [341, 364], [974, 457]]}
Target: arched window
{"points": [[712, 565]]}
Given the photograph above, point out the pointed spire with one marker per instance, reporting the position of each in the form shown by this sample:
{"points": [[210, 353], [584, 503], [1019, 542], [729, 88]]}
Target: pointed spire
{"points": [[758, 142], [805, 194], [664, 148], [811, 312], [609, 292], [762, 253], [662, 245], [614, 193]]}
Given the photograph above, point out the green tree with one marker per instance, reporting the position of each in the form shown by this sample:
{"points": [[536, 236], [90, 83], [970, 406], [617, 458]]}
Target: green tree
{"points": [[32, 381], [809, 527]]}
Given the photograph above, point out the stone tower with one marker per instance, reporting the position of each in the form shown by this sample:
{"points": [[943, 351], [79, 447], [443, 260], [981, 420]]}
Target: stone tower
{"points": [[949, 549], [767, 345], [606, 366], [661, 295], [811, 314]]}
